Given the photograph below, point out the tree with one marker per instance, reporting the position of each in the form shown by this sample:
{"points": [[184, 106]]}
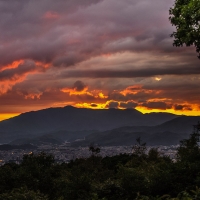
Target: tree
{"points": [[23, 194], [139, 148], [36, 172], [185, 15], [186, 168], [95, 149], [189, 150]]}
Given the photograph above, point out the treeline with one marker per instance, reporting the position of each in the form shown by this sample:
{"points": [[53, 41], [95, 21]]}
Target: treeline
{"points": [[121, 177]]}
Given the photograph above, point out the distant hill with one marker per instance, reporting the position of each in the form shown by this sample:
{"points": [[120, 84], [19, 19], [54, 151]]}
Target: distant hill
{"points": [[168, 133], [182, 124], [57, 137], [38, 123], [7, 147]]}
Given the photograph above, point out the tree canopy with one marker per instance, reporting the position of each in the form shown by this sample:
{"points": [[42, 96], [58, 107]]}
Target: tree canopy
{"points": [[185, 16], [144, 174]]}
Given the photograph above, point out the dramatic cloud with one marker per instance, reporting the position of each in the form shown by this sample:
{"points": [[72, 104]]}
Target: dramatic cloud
{"points": [[112, 104], [182, 107], [20, 70], [94, 54], [156, 105], [105, 73], [79, 86], [129, 104]]}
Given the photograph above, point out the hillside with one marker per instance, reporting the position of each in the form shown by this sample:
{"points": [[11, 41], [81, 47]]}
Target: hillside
{"points": [[168, 133], [37, 123]]}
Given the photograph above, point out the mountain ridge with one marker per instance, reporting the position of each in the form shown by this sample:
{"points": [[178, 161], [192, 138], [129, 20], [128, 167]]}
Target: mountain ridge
{"points": [[70, 120], [152, 135]]}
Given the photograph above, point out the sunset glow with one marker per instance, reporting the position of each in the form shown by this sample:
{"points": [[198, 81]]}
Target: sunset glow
{"points": [[8, 115], [94, 54], [176, 112]]}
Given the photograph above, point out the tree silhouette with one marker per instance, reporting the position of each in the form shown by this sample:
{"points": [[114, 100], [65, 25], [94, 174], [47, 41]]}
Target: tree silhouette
{"points": [[185, 16], [94, 148]]}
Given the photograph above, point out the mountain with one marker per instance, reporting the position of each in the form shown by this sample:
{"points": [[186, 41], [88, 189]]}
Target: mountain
{"points": [[182, 124], [57, 137], [168, 133], [37, 123]]}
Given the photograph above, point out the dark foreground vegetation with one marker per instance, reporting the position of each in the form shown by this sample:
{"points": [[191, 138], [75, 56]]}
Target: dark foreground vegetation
{"points": [[124, 177]]}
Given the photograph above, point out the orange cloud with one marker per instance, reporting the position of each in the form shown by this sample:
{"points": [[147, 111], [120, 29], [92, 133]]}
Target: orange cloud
{"points": [[7, 85], [42, 65], [75, 92], [80, 88], [33, 96], [135, 89], [131, 90], [13, 65], [17, 72], [102, 96]]}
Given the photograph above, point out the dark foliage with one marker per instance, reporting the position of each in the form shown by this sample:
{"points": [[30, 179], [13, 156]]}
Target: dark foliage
{"points": [[185, 16], [140, 175]]}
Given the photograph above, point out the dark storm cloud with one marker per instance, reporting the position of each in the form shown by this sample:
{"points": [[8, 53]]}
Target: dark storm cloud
{"points": [[157, 105], [128, 104], [182, 107], [25, 16], [79, 86], [112, 104], [147, 72], [93, 105], [67, 61], [31, 30], [65, 33]]}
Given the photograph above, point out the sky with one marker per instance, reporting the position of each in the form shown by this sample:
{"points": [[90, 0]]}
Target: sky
{"points": [[94, 54]]}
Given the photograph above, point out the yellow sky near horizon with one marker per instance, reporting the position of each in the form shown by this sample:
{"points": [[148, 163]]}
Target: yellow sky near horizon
{"points": [[8, 115], [5, 116]]}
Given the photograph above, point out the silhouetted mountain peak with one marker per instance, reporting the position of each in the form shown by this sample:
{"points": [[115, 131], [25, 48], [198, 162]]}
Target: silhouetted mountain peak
{"points": [[69, 107], [69, 118]]}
